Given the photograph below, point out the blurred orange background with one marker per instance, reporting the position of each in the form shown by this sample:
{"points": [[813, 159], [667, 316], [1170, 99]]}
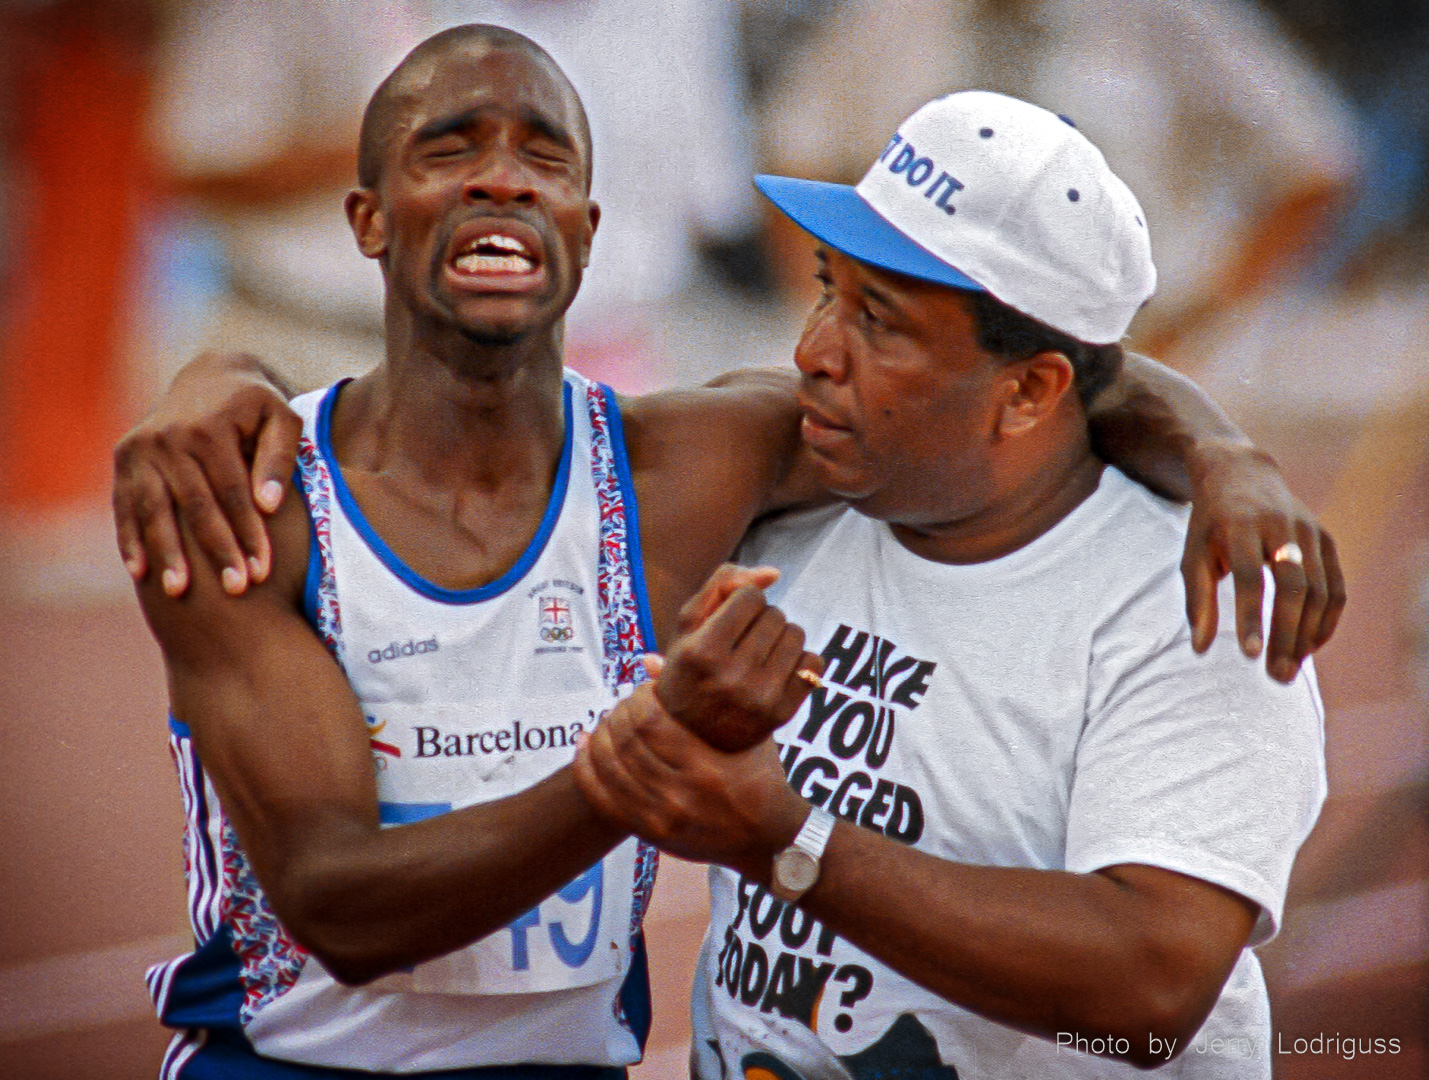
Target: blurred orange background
{"points": [[145, 179]]}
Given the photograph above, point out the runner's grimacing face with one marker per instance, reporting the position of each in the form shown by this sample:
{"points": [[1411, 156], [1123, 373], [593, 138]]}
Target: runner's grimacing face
{"points": [[487, 217], [899, 401]]}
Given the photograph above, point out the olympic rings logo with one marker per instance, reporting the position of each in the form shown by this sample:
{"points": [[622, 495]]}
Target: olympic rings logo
{"points": [[557, 633]]}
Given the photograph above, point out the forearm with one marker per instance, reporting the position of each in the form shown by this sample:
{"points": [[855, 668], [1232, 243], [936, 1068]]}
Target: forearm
{"points": [[297, 173], [283, 740], [1160, 428], [232, 367], [1046, 952], [379, 901], [776, 436]]}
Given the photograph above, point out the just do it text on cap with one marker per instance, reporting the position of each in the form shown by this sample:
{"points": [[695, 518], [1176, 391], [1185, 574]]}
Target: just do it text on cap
{"points": [[984, 192]]}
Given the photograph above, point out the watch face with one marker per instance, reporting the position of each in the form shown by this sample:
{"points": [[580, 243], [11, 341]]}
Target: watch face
{"points": [[796, 870]]}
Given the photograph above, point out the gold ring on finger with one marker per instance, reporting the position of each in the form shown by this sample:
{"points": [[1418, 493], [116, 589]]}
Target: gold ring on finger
{"points": [[1290, 553]]}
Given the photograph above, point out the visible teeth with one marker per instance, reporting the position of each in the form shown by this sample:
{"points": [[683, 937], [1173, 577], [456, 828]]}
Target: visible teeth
{"points": [[493, 264], [498, 241]]}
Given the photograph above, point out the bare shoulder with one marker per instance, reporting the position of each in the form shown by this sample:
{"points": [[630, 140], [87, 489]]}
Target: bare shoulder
{"points": [[206, 627], [737, 435], [759, 403]]}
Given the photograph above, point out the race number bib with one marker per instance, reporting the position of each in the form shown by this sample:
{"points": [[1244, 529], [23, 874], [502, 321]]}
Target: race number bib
{"points": [[433, 759]]}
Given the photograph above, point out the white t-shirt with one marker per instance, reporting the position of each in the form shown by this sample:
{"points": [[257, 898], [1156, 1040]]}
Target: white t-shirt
{"points": [[1042, 710]]}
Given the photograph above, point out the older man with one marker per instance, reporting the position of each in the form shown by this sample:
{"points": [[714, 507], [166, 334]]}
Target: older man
{"points": [[1024, 828]]}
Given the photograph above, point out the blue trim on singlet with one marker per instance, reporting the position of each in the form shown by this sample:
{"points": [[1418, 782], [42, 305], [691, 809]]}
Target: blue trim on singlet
{"points": [[404, 813], [632, 517], [635, 993], [206, 990], [178, 727], [313, 576], [388, 557], [227, 1055]]}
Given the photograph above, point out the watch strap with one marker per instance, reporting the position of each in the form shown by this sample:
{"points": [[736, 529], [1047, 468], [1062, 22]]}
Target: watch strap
{"points": [[814, 836], [796, 868]]}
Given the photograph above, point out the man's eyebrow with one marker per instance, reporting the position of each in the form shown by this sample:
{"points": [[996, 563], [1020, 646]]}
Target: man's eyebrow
{"points": [[467, 118], [878, 296], [869, 292], [447, 125], [542, 124]]}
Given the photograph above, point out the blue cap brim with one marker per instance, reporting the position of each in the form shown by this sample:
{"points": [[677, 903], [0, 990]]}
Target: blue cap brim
{"points": [[837, 215]]}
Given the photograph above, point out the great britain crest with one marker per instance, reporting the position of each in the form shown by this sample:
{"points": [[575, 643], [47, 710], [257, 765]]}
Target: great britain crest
{"points": [[555, 619]]}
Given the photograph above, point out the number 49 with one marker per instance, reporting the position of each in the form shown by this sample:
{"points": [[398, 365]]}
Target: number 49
{"points": [[572, 954]]}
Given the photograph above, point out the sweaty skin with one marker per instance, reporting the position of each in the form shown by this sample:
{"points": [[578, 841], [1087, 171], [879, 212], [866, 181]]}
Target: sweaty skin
{"points": [[450, 447]]}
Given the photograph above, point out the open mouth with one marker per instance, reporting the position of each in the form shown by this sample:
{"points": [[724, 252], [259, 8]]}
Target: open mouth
{"points": [[495, 253]]}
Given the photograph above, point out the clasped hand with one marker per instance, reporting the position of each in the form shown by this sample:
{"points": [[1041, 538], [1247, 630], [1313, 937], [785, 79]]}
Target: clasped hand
{"points": [[686, 761]]}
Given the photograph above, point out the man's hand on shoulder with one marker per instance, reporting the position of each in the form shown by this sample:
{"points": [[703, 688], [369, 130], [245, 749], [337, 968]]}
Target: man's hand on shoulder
{"points": [[217, 451], [1243, 517], [196, 623], [1160, 428]]}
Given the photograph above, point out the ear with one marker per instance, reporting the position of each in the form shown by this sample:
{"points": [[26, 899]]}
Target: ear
{"points": [[1036, 387], [364, 214], [594, 215]]}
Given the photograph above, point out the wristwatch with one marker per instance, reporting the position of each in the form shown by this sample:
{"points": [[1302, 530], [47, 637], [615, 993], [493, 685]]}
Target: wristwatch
{"points": [[796, 868]]}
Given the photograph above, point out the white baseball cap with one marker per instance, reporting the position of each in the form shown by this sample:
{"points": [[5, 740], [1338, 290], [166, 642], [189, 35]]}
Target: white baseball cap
{"points": [[984, 192]]}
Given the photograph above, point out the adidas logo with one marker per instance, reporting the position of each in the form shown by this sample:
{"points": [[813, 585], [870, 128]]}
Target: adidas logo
{"points": [[398, 649]]}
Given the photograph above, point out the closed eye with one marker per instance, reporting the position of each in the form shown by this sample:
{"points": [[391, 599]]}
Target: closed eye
{"points": [[544, 152], [445, 147]]}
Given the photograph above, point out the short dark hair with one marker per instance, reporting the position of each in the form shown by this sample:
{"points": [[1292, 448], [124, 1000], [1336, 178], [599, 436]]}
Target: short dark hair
{"points": [[377, 118], [1004, 331]]}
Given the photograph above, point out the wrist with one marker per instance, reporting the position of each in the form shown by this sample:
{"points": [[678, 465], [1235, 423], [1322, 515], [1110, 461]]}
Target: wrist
{"points": [[780, 824], [229, 367], [799, 866], [1210, 460], [216, 362]]}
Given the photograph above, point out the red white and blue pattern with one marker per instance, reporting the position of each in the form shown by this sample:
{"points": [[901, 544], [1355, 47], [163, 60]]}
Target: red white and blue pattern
{"points": [[224, 892], [317, 489], [271, 959], [622, 640], [201, 865], [619, 612], [647, 863]]}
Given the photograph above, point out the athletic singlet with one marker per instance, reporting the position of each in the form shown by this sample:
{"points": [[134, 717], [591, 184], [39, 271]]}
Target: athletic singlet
{"points": [[469, 696]]}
